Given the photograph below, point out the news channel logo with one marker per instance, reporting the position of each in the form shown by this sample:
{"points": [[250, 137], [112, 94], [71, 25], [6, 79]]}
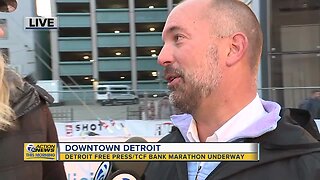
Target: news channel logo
{"points": [[40, 151], [31, 148], [124, 175], [103, 171], [41, 23]]}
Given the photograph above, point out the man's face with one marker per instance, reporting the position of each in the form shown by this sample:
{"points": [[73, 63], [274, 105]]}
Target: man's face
{"points": [[317, 95], [190, 58]]}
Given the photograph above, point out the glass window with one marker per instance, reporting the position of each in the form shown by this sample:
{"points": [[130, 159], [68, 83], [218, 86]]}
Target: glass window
{"points": [[149, 27], [119, 90], [73, 7], [112, 4], [295, 72], [151, 4], [113, 28], [76, 80], [102, 90], [148, 51], [147, 75], [75, 56], [294, 54], [176, 1], [75, 32], [114, 52], [115, 76], [126, 75], [295, 25]]}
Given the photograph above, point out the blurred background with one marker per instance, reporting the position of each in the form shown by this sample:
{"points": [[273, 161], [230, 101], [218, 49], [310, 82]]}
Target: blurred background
{"points": [[100, 64]]}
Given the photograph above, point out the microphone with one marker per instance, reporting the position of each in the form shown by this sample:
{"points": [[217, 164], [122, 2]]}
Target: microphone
{"points": [[103, 171], [123, 175], [122, 170], [136, 140], [137, 167]]}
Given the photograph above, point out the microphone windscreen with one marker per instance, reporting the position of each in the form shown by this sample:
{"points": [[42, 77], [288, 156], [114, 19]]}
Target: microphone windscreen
{"points": [[137, 167], [123, 175], [136, 140]]}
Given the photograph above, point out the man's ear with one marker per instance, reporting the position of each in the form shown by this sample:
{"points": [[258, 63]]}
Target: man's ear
{"points": [[238, 44]]}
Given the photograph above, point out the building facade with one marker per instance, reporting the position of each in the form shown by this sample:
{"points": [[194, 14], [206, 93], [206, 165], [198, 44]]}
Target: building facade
{"points": [[117, 42], [109, 42], [290, 63], [17, 44]]}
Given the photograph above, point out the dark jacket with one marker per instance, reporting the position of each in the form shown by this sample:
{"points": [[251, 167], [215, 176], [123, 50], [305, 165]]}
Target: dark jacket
{"points": [[33, 123], [288, 152]]}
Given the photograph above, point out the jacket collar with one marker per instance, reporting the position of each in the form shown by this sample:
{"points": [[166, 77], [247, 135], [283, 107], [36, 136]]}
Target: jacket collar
{"points": [[255, 129], [24, 96], [24, 99], [274, 145], [227, 169]]}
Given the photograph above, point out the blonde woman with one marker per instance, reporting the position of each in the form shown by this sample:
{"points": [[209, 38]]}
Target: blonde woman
{"points": [[24, 117], [6, 113]]}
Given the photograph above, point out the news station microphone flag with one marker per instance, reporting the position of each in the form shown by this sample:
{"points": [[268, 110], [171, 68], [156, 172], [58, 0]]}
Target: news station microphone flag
{"points": [[124, 175], [103, 171], [122, 170]]}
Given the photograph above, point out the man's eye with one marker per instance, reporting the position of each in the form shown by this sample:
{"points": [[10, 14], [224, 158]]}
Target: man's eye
{"points": [[178, 37]]}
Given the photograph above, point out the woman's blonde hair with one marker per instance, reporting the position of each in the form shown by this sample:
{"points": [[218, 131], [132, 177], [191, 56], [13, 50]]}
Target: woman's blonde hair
{"points": [[6, 113]]}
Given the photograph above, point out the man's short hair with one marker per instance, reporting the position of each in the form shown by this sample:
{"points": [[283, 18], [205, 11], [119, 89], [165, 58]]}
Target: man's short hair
{"points": [[231, 16]]}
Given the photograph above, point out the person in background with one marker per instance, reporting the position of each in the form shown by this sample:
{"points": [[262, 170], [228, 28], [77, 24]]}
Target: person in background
{"points": [[211, 55], [312, 104], [151, 110], [165, 109], [24, 117]]}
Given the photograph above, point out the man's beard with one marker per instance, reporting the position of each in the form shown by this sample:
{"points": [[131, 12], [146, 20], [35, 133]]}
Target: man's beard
{"points": [[196, 85]]}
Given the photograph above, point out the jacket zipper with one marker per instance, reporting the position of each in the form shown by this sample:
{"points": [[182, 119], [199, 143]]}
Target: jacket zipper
{"points": [[199, 168]]}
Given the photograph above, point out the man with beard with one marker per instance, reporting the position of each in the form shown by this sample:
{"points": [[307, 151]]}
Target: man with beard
{"points": [[211, 55]]}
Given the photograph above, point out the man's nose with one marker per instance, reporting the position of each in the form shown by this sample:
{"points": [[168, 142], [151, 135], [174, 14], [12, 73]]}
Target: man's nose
{"points": [[165, 57]]}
